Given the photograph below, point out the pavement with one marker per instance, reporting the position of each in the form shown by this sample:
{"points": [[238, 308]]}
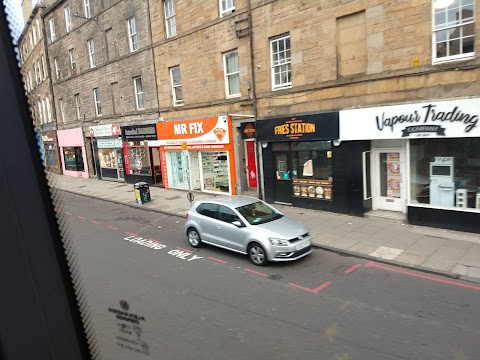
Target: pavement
{"points": [[444, 252], [213, 304]]}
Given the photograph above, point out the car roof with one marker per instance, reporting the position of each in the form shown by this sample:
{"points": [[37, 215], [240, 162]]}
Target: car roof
{"points": [[232, 201]]}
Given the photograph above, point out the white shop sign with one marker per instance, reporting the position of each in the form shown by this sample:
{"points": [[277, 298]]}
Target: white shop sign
{"points": [[445, 119], [104, 130], [109, 143]]}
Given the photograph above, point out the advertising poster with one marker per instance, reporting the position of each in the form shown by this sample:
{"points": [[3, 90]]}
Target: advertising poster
{"points": [[393, 175], [312, 189]]}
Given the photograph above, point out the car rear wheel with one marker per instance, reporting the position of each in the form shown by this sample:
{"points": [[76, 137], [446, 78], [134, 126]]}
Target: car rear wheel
{"points": [[257, 254], [194, 238]]}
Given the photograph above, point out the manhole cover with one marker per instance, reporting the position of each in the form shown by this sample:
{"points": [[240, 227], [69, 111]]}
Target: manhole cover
{"points": [[275, 277], [341, 269]]}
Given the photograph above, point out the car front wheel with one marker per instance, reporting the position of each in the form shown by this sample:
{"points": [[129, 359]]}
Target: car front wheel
{"points": [[257, 254], [194, 238]]}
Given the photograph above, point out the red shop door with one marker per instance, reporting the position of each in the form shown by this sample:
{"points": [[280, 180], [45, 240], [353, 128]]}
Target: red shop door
{"points": [[251, 163]]}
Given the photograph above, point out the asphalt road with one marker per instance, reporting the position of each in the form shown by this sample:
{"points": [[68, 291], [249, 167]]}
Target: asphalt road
{"points": [[212, 304]]}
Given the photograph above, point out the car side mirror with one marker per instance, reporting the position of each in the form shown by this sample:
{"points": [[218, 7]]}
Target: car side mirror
{"points": [[238, 223]]}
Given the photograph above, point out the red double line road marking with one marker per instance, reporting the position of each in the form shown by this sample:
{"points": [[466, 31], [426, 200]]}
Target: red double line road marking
{"points": [[314, 291], [183, 249], [217, 260], [81, 217], [95, 222], [353, 268], [129, 233], [426, 277], [111, 227], [255, 272], [68, 213]]}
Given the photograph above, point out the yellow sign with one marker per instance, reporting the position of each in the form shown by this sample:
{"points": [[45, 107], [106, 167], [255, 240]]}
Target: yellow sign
{"points": [[184, 145], [294, 128]]}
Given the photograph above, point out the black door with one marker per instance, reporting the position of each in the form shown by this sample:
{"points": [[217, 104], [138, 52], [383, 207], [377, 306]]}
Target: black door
{"points": [[283, 177]]}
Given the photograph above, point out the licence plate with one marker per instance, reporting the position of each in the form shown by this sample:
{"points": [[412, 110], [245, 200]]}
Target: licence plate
{"points": [[303, 245]]}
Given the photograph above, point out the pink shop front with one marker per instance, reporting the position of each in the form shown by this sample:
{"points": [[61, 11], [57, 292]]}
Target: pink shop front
{"points": [[72, 152]]}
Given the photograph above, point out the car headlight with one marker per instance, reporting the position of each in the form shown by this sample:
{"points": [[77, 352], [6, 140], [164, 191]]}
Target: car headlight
{"points": [[279, 242]]}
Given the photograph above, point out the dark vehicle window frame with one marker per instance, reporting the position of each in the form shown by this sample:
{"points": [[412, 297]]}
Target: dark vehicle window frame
{"points": [[234, 215], [202, 207]]}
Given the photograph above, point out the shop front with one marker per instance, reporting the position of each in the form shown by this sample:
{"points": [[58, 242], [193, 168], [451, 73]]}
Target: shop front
{"points": [[50, 151], [304, 165], [247, 130], [140, 162], [107, 151], [423, 160], [72, 152], [198, 154]]}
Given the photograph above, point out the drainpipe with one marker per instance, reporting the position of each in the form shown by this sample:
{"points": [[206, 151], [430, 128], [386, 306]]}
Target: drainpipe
{"points": [[260, 187]]}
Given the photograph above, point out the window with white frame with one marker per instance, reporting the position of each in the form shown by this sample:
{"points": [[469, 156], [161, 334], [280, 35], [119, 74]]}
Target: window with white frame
{"points": [[232, 73], [453, 29], [40, 118], [62, 110], [39, 69], [138, 85], [91, 53], [57, 68], [281, 62], [38, 29], [53, 30], [86, 4], [170, 23], [98, 101], [177, 92], [73, 62], [44, 112], [34, 31], [132, 34], [36, 73], [49, 112], [226, 7], [44, 69], [78, 109], [31, 39], [68, 19]]}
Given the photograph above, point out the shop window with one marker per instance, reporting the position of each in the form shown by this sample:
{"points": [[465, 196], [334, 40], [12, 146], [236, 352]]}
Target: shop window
{"points": [[310, 169], [73, 157], [50, 155], [445, 172], [215, 171], [177, 169], [108, 158], [139, 160]]}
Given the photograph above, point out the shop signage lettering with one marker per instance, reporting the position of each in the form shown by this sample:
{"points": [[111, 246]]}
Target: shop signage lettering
{"points": [[213, 130], [46, 138], [109, 143], [294, 128], [104, 130], [140, 132], [307, 128], [444, 119], [247, 130], [429, 114]]}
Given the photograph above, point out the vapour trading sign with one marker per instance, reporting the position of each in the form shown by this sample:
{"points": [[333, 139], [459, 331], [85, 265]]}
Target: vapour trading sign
{"points": [[130, 329], [444, 119]]}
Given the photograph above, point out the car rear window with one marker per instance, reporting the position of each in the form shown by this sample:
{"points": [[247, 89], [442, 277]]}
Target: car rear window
{"points": [[208, 209]]}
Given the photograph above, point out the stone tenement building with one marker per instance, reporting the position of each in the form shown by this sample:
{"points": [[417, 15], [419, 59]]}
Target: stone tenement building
{"points": [[103, 73], [37, 81], [363, 73]]}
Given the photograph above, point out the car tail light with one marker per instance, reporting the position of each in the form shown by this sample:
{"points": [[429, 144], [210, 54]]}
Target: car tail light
{"points": [[186, 216]]}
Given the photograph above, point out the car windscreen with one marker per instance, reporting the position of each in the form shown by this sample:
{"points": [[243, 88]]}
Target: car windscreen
{"points": [[258, 213]]}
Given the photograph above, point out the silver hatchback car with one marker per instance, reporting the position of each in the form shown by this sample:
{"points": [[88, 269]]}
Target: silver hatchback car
{"points": [[248, 226]]}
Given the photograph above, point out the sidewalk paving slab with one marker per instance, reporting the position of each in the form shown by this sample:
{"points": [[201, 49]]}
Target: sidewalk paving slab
{"points": [[443, 252]]}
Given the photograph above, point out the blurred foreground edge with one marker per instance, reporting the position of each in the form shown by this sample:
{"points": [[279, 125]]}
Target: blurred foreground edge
{"points": [[39, 316]]}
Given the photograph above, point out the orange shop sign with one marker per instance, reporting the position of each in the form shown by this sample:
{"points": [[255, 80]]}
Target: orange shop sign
{"points": [[211, 130]]}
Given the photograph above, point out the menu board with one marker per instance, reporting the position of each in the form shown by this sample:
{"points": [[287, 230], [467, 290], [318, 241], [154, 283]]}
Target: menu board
{"points": [[393, 175], [312, 189]]}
